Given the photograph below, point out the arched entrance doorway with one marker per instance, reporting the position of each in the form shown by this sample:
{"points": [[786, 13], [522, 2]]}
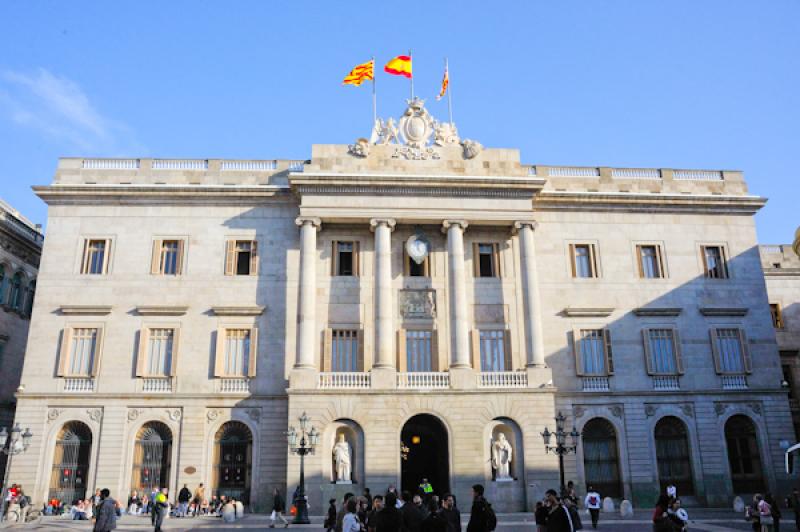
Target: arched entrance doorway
{"points": [[427, 455], [672, 455], [233, 452], [152, 457], [743, 455], [601, 458], [71, 463]]}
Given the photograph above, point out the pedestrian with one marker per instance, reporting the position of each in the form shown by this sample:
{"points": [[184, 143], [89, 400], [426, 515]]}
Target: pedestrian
{"points": [[106, 515], [368, 496], [776, 511], [160, 509], [672, 491], [389, 519], [342, 511], [198, 498], [540, 515], [793, 502], [350, 523], [592, 502], [482, 518], [330, 520], [751, 513], [434, 521], [451, 513], [184, 496], [10, 494], [278, 508], [412, 515], [661, 521], [97, 497], [765, 516], [570, 493], [153, 494], [372, 515], [558, 517], [677, 515], [362, 510], [426, 489], [574, 516]]}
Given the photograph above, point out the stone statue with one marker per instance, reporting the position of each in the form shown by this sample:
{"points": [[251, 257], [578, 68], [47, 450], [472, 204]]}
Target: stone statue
{"points": [[501, 457], [341, 458], [384, 132], [471, 148], [445, 133], [360, 148]]}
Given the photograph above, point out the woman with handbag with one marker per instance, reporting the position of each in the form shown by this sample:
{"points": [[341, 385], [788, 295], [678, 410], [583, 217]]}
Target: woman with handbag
{"points": [[764, 514]]}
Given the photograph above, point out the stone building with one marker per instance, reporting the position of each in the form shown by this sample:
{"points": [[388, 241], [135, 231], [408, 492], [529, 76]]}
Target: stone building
{"points": [[418, 298], [20, 250]]}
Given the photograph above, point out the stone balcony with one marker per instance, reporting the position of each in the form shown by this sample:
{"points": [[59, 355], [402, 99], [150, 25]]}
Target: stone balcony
{"points": [[427, 380]]}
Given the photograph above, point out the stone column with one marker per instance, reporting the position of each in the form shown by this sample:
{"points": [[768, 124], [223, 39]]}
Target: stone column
{"points": [[458, 296], [530, 295], [384, 316], [306, 310]]}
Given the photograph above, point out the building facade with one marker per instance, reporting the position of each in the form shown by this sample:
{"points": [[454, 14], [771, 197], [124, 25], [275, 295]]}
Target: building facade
{"points": [[20, 251], [417, 300]]}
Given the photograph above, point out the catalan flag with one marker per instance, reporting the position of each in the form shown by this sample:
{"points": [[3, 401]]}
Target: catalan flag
{"points": [[399, 66], [364, 71], [445, 84]]}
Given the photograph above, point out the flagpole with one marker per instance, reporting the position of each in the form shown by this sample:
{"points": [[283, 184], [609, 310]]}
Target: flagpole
{"points": [[449, 91], [411, 60], [374, 95]]}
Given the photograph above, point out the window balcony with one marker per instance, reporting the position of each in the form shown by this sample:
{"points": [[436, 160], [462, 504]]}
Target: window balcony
{"points": [[503, 379], [596, 384], [157, 385], [79, 384], [343, 380], [423, 380], [666, 383], [734, 382], [233, 385]]}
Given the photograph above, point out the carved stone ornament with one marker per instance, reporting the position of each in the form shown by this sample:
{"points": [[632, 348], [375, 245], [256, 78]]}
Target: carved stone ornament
{"points": [[212, 415], [53, 414], [471, 148], [445, 133], [174, 414], [720, 408], [415, 154], [417, 304], [578, 411], [418, 247], [95, 414], [416, 125], [687, 410], [650, 410], [360, 148], [616, 411], [133, 414], [756, 408], [254, 413]]}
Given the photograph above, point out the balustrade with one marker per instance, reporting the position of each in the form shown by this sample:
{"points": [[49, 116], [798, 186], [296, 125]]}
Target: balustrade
{"points": [[595, 384], [343, 380], [423, 380], [503, 379]]}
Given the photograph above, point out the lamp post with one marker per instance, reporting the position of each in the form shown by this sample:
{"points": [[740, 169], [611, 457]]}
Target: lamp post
{"points": [[309, 438], [561, 448], [15, 446]]}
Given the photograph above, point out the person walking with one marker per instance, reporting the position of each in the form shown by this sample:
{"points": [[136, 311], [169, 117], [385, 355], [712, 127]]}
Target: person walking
{"points": [[343, 511], [435, 521], [661, 521], [106, 514], [278, 508], [330, 520], [389, 519], [160, 509], [198, 498], [412, 515], [765, 516], [372, 515], [482, 518], [776, 511], [451, 514], [540, 515], [558, 517], [184, 496], [351, 523], [593, 502]]}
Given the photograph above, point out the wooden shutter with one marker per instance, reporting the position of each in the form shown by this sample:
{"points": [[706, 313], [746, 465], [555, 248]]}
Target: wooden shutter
{"points": [[334, 258], [230, 257], [176, 341], [406, 262], [724, 258], [608, 351], [476, 260], [662, 273], [141, 355], [715, 350], [253, 354], [219, 354], [572, 260], [435, 362], [106, 256], [745, 351], [360, 364], [676, 342], [85, 261], [155, 260], [593, 261], [639, 261], [498, 263], [327, 349], [401, 351], [356, 259], [648, 356], [576, 335], [253, 257], [703, 261], [98, 353], [181, 251], [509, 364], [63, 356], [475, 337], [426, 265]]}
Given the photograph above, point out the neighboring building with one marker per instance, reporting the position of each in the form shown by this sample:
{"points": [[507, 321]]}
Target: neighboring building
{"points": [[20, 250], [782, 273], [194, 309]]}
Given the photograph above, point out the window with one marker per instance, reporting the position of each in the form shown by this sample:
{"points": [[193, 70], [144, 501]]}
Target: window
{"points": [[412, 269], [593, 355], [601, 458], [788, 376], [344, 351], [417, 350], [345, 259], [672, 455], [157, 349], [744, 458], [168, 257], [730, 351], [583, 259], [241, 257], [80, 351], [95, 256], [777, 316], [2, 283], [662, 351], [31, 296], [494, 350], [714, 262], [486, 258], [651, 264], [15, 296], [236, 352]]}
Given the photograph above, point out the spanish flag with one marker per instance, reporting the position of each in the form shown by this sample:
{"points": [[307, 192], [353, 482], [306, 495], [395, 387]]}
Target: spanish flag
{"points": [[445, 84], [399, 66], [364, 71]]}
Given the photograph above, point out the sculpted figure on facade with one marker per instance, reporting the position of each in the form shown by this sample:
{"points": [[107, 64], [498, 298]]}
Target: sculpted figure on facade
{"points": [[445, 133], [360, 148], [342, 461], [384, 132], [502, 453]]}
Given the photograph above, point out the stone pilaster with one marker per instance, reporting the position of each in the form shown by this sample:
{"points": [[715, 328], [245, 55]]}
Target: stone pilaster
{"points": [[305, 365], [383, 361], [461, 374]]}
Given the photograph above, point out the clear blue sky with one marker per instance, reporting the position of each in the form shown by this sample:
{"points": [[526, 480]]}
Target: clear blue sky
{"points": [[677, 84]]}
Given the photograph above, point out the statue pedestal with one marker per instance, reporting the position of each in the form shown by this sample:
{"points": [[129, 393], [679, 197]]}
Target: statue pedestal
{"points": [[344, 481]]}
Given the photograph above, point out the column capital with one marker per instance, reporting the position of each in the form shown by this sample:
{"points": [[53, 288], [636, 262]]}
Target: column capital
{"points": [[375, 222], [447, 224], [533, 224], [302, 220]]}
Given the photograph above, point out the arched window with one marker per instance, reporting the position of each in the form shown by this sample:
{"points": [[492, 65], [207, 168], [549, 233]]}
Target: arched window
{"points": [[31, 295], [233, 454], [601, 457], [71, 463], [672, 455], [2, 283], [743, 455], [15, 295], [152, 458]]}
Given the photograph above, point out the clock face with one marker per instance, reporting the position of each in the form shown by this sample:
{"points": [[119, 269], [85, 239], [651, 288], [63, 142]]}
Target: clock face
{"points": [[417, 247]]}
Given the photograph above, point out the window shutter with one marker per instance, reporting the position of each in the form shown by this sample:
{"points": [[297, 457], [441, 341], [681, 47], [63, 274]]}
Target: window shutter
{"points": [[98, 352], [639, 260], [327, 349], [572, 260], [254, 257], [85, 262], [141, 355], [509, 365], [745, 352], [676, 342], [704, 261], [662, 273], [253, 354], [576, 335], [593, 261], [435, 365], [498, 264], [219, 354], [476, 349], [63, 356], [230, 257], [609, 352], [106, 256], [334, 258], [715, 350], [724, 258], [406, 263], [401, 351], [356, 259], [181, 250], [426, 266], [648, 356], [155, 261], [476, 260], [360, 350]]}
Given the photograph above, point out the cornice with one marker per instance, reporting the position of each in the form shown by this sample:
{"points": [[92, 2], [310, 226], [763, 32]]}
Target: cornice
{"points": [[161, 310], [736, 312], [85, 194], [85, 310], [588, 312], [652, 202], [657, 312], [255, 310]]}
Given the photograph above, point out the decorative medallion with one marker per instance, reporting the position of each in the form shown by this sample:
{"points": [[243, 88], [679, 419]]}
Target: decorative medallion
{"points": [[133, 414], [417, 304], [53, 414], [95, 414], [174, 414], [416, 125], [190, 470], [650, 410], [687, 410], [578, 411], [720, 408], [212, 415], [756, 408], [254, 414], [616, 411], [418, 247]]}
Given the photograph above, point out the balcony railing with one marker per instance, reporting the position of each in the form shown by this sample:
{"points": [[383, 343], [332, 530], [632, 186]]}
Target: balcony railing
{"points": [[734, 382], [180, 164], [79, 384], [345, 380], [666, 382], [234, 385], [595, 384], [110, 164], [157, 384], [698, 175], [423, 380], [249, 165], [503, 379]]}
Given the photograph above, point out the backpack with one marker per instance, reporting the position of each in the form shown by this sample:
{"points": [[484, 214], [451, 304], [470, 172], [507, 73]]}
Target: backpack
{"points": [[593, 500], [491, 518]]}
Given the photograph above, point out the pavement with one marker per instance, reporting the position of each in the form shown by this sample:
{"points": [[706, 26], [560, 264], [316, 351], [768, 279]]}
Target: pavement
{"points": [[702, 519]]}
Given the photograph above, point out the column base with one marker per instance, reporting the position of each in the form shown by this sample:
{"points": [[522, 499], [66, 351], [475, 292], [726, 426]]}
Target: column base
{"points": [[539, 377], [383, 378], [463, 378], [303, 378]]}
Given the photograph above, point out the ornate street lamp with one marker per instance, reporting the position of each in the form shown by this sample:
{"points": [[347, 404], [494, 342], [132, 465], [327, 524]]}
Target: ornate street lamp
{"points": [[15, 446], [308, 441], [561, 448]]}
